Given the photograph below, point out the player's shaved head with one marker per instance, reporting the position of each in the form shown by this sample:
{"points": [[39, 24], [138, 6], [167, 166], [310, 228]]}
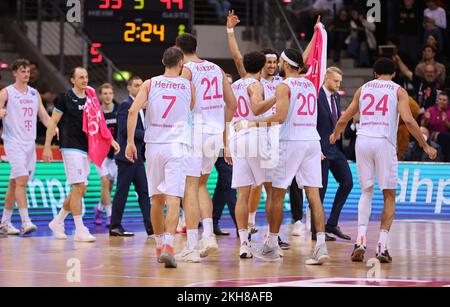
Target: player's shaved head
{"points": [[254, 62]]}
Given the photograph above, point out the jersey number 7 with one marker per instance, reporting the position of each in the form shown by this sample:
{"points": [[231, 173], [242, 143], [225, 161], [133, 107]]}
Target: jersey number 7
{"points": [[172, 100]]}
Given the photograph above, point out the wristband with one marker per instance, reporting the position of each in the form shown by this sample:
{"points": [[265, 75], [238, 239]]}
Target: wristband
{"points": [[230, 30]]}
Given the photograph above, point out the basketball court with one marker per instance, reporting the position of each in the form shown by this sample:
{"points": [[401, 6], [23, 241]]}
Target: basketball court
{"points": [[420, 258]]}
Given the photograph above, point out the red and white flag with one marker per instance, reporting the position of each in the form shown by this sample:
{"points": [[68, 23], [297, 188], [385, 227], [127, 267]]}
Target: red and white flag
{"points": [[94, 125], [317, 60]]}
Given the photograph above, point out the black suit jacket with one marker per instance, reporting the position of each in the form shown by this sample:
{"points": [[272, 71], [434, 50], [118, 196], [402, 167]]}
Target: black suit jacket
{"points": [[325, 126], [122, 118]]}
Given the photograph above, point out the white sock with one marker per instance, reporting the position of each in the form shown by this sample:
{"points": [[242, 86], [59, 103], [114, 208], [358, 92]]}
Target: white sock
{"points": [[272, 240], [159, 240], [100, 206], [243, 235], [24, 216], [168, 239], [252, 219], [207, 227], [192, 239], [384, 239], [78, 219], [365, 206], [108, 210], [7, 214], [62, 215], [320, 238], [362, 231]]}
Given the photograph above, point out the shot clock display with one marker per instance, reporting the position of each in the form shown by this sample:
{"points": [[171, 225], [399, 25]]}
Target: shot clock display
{"points": [[134, 31]]}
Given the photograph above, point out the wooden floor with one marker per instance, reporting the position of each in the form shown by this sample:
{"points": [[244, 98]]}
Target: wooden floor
{"points": [[420, 249]]}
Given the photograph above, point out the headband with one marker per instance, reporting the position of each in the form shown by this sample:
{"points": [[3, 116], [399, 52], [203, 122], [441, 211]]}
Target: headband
{"points": [[271, 55], [288, 60]]}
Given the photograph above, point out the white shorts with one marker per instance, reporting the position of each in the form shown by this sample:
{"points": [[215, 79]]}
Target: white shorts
{"points": [[376, 157], [300, 160], [22, 159], [166, 169], [77, 166], [204, 154], [247, 172], [108, 168]]}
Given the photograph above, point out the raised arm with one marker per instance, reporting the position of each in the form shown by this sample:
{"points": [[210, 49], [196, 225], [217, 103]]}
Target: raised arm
{"points": [[411, 124], [257, 103], [232, 21], [310, 44], [403, 68]]}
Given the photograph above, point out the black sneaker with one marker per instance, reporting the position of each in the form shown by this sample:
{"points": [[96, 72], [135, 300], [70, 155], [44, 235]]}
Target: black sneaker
{"points": [[384, 256], [358, 253], [283, 245]]}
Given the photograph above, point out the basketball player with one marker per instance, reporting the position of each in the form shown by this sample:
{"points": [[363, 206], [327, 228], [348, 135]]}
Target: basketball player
{"points": [[108, 171], [169, 100], [74, 149], [379, 102], [248, 169], [215, 106], [300, 153], [270, 81], [20, 105]]}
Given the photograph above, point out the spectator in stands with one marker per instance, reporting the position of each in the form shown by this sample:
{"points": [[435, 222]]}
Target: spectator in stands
{"points": [[328, 9], [42, 86], [221, 7], [426, 89], [433, 42], [408, 27], [339, 30], [437, 120], [429, 58], [415, 153], [301, 13], [361, 38], [403, 135], [435, 21]]}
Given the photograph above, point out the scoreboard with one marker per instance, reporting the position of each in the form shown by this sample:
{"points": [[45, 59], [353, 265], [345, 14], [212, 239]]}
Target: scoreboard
{"points": [[134, 31]]}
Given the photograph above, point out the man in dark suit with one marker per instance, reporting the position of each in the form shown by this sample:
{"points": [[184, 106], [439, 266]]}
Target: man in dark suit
{"points": [[128, 172], [334, 160]]}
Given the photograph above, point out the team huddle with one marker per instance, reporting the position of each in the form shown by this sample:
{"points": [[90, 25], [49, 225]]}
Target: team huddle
{"points": [[266, 125]]}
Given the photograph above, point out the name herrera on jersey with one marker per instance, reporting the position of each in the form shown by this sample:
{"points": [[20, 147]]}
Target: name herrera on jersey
{"points": [[169, 85]]}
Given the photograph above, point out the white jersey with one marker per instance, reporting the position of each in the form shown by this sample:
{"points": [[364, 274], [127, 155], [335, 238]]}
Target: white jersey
{"points": [[168, 115], [378, 106], [240, 91], [269, 92], [207, 78], [19, 125], [301, 121]]}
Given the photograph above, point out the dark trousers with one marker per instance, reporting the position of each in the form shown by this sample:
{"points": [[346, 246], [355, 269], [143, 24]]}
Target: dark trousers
{"points": [[341, 172], [128, 173], [223, 194], [296, 198]]}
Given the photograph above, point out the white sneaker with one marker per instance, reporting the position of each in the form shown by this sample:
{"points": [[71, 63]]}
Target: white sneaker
{"points": [[11, 230], [208, 246], [245, 252], [298, 229], [58, 230], [28, 228], [189, 256], [83, 235]]}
